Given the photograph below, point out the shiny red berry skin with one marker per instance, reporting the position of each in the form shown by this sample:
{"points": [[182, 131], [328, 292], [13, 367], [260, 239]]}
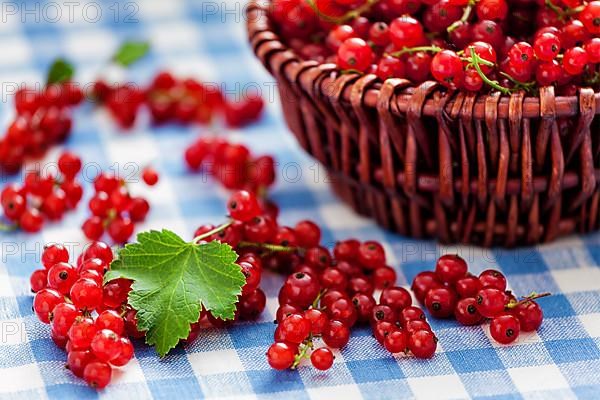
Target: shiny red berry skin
{"points": [[575, 60], [150, 176], [494, 10], [548, 73], [371, 255], [382, 313], [423, 283], [396, 341], [308, 234], [62, 317], [252, 304], [111, 320], [546, 46], [491, 302], [301, 289], [339, 35], [466, 312], [467, 286], [280, 356], [295, 328], [333, 278], [592, 47], [125, 354], [355, 54], [505, 328], [447, 69], [38, 280], [384, 277], [383, 328], [417, 325], [93, 228], [441, 302], [322, 358], [81, 333], [69, 164], [99, 250], [97, 374], [343, 310], [317, 257], [493, 279], [411, 313], [590, 17], [336, 335], [346, 250], [77, 361], [120, 229], [53, 254], [406, 31], [529, 314], [364, 304], [61, 277], [106, 345], [44, 302], [243, 206], [422, 344], [395, 297], [31, 221], [318, 320], [450, 268], [86, 294]]}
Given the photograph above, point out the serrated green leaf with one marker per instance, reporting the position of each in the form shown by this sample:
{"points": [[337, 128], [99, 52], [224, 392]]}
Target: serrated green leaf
{"points": [[60, 71], [130, 52], [171, 278]]}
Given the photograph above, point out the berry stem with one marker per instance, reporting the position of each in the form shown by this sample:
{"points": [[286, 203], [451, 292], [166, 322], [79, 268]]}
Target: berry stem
{"points": [[354, 13], [466, 14], [476, 61], [528, 86], [212, 232], [532, 296], [303, 353], [315, 303], [411, 50]]}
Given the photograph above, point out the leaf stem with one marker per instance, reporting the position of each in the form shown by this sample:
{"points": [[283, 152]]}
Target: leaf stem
{"points": [[465, 16], [212, 231]]}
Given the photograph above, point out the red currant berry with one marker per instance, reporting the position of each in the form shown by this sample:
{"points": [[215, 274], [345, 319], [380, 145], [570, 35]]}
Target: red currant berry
{"points": [[382, 313], [450, 268], [97, 374], [243, 206], [383, 328], [120, 229], [592, 48], [106, 345], [31, 221], [99, 250], [62, 317], [505, 328], [125, 354], [61, 277], [86, 294], [422, 344], [363, 303], [396, 341], [417, 325], [355, 54], [295, 328], [301, 289], [490, 302], [308, 234], [44, 302], [53, 254], [336, 335], [281, 356], [339, 35], [322, 358], [333, 278], [590, 17], [574, 60], [343, 310], [411, 313], [371, 255], [81, 333], [384, 277], [115, 292], [423, 283], [406, 31], [441, 302], [546, 46], [252, 305], [346, 250], [69, 164], [318, 320], [395, 297], [38, 280], [93, 228], [466, 312], [529, 314], [493, 279], [467, 286], [77, 360], [112, 320], [150, 176]]}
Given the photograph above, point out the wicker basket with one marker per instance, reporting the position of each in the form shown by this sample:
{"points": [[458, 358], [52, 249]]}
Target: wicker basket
{"points": [[425, 162]]}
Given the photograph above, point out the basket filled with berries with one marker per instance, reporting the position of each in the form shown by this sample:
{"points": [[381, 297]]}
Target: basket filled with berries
{"points": [[469, 121]]}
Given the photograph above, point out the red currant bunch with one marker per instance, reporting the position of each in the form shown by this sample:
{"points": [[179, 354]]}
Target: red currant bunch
{"points": [[114, 210], [231, 164], [66, 295], [42, 120], [43, 197], [451, 291]]}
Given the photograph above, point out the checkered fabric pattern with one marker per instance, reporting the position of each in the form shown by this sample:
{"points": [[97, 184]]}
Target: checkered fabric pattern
{"points": [[207, 40]]}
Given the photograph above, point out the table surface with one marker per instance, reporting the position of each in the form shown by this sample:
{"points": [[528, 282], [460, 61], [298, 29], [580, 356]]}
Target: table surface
{"points": [[207, 40]]}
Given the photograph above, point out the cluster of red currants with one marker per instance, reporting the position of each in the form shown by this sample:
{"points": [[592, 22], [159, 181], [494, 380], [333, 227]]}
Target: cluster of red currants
{"points": [[184, 101], [114, 210], [463, 44], [43, 119], [231, 164], [43, 196], [87, 320], [450, 291]]}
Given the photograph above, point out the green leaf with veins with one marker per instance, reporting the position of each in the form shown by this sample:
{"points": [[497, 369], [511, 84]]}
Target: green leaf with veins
{"points": [[172, 278]]}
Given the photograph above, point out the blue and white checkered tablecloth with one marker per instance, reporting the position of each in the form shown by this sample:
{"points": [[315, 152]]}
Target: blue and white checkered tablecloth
{"points": [[207, 40]]}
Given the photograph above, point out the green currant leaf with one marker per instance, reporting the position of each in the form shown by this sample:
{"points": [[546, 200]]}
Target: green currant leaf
{"points": [[130, 52], [172, 278], [60, 71]]}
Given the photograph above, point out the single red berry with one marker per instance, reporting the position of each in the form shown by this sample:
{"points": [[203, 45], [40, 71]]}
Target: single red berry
{"points": [[112, 320], [422, 344], [81, 333], [77, 360], [447, 68], [44, 302], [97, 374], [336, 335], [322, 358], [318, 320], [395, 297], [406, 31], [493, 279], [383, 328], [339, 35], [529, 314], [61, 277], [62, 317], [69, 164], [93, 228], [467, 286], [333, 278], [120, 229], [364, 304], [86, 294], [548, 73], [295, 328], [106, 345], [494, 10], [546, 46], [396, 341], [280, 356], [505, 328], [301, 289], [150, 176], [343, 310], [466, 312], [38, 280], [308, 234], [355, 54], [346, 250], [417, 325], [53, 254], [590, 17], [450, 268], [592, 48], [441, 302], [423, 283], [371, 255], [490, 302], [382, 312], [575, 60], [99, 250], [243, 206], [384, 277], [411, 313], [125, 354], [31, 221]]}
